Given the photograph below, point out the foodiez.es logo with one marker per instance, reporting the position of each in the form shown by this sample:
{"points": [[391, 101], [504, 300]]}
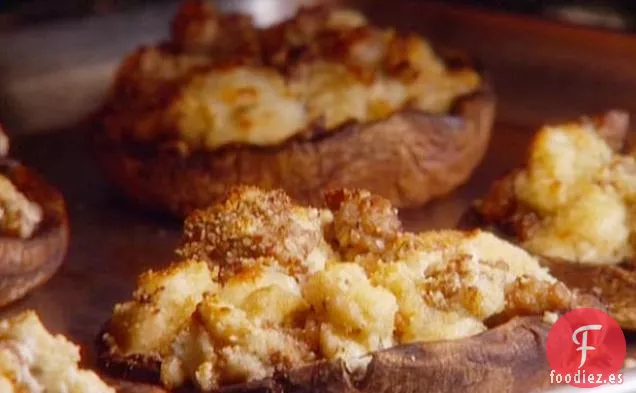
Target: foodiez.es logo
{"points": [[586, 348]]}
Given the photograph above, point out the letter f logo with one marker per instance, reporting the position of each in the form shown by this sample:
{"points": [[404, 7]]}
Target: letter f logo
{"points": [[583, 344]]}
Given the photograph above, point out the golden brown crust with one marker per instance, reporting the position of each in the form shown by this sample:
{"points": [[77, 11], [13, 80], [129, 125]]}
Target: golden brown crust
{"points": [[220, 80], [509, 358], [473, 281], [529, 296], [410, 158], [501, 212], [161, 161], [27, 263], [276, 232]]}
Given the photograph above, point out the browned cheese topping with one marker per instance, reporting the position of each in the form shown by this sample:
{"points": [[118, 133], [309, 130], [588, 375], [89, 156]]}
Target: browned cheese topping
{"points": [[574, 198], [264, 284], [220, 80], [34, 361]]}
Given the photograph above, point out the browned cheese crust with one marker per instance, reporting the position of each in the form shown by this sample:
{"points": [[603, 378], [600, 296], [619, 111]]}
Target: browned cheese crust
{"points": [[501, 211], [34, 234], [160, 161], [474, 318]]}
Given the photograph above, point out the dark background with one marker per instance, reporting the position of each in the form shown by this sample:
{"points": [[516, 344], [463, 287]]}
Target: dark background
{"points": [[24, 12], [617, 15]]}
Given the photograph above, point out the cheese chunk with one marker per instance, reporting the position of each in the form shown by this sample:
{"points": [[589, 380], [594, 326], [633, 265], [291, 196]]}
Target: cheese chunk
{"points": [[322, 69], [583, 193], [239, 105], [162, 305], [356, 317], [256, 305], [34, 361]]}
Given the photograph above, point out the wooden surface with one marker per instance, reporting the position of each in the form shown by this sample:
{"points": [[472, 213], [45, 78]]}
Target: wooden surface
{"points": [[540, 70]]}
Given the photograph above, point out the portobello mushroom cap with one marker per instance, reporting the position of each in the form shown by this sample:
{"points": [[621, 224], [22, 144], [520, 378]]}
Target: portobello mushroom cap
{"points": [[28, 263], [410, 158], [507, 358]]}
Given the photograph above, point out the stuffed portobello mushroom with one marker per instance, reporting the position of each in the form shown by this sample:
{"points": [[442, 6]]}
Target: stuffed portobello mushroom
{"points": [[34, 231], [322, 100], [572, 204], [270, 296]]}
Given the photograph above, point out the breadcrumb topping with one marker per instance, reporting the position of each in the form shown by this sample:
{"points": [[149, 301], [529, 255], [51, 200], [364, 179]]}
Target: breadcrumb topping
{"points": [[583, 194], [34, 361], [251, 223], [220, 80], [252, 297]]}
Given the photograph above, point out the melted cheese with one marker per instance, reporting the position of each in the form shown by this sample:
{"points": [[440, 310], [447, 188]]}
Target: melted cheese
{"points": [[34, 361], [584, 194], [352, 71], [239, 105], [256, 315]]}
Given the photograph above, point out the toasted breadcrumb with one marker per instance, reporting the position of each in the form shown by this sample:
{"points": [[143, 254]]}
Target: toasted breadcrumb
{"points": [[220, 80], [251, 223], [34, 361], [529, 296], [258, 299], [162, 305], [363, 222]]}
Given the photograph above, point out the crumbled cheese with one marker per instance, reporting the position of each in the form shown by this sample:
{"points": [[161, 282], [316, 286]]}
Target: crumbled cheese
{"points": [[161, 306], [356, 316], [34, 361], [561, 158], [353, 71], [550, 317], [239, 105], [256, 316], [584, 195], [594, 227], [419, 320]]}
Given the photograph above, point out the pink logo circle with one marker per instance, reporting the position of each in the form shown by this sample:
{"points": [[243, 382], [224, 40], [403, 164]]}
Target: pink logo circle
{"points": [[586, 348]]}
